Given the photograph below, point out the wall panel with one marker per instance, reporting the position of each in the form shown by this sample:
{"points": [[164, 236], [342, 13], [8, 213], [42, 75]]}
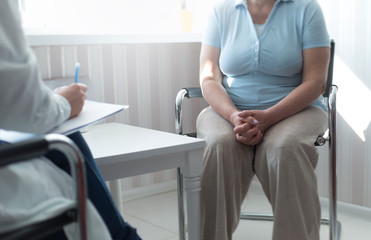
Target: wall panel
{"points": [[144, 76]]}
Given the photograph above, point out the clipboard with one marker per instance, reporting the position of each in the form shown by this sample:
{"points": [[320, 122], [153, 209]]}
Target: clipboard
{"points": [[92, 112]]}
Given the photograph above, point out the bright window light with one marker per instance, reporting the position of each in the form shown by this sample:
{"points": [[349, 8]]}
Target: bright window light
{"points": [[354, 98], [111, 16]]}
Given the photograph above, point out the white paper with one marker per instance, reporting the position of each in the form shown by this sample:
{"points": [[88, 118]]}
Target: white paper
{"points": [[92, 112]]}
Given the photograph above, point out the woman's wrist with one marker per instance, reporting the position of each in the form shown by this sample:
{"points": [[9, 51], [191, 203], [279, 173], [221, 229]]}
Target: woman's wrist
{"points": [[270, 118], [234, 118]]}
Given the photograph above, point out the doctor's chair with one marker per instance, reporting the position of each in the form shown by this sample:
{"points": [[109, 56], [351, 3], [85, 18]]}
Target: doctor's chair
{"points": [[36, 147], [329, 137]]}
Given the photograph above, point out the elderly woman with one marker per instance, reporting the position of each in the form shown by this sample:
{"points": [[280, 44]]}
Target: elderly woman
{"points": [[263, 69]]}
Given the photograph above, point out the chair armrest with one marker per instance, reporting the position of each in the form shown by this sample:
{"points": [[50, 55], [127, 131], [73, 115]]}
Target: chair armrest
{"points": [[188, 93], [332, 97], [331, 104], [194, 92]]}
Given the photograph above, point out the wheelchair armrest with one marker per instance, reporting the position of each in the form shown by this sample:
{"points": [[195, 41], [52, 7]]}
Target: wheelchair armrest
{"points": [[40, 230], [22, 151], [29, 149]]}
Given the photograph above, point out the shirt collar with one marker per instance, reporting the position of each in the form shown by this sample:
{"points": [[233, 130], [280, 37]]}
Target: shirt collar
{"points": [[240, 2], [244, 2]]}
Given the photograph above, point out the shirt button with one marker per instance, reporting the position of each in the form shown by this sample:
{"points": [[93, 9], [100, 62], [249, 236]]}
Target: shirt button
{"points": [[256, 59], [257, 43]]}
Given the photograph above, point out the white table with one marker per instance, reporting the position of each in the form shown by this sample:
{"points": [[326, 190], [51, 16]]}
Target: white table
{"points": [[122, 151]]}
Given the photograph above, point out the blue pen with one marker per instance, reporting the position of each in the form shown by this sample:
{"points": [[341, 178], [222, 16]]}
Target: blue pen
{"points": [[77, 68]]}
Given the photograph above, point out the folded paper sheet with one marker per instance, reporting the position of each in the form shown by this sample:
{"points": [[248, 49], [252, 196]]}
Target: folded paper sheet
{"points": [[92, 112]]}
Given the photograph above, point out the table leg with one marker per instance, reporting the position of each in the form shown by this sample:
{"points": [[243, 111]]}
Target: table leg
{"points": [[192, 187], [192, 184], [115, 189], [180, 188]]}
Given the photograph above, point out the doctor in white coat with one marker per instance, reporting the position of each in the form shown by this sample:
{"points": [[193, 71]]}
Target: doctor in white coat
{"points": [[27, 105]]}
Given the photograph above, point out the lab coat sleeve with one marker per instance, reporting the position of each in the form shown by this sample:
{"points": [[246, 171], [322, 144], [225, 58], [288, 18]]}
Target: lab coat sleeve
{"points": [[26, 104]]}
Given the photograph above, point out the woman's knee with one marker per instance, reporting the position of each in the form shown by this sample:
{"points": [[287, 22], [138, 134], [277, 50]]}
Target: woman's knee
{"points": [[290, 151], [220, 140]]}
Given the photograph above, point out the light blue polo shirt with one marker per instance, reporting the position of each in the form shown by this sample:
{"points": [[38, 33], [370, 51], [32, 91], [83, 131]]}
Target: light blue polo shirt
{"points": [[259, 71]]}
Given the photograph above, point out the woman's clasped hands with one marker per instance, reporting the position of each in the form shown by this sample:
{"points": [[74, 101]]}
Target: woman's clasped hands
{"points": [[249, 126]]}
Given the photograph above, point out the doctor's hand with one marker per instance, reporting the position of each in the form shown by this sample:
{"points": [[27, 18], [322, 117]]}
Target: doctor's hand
{"points": [[247, 130], [75, 95]]}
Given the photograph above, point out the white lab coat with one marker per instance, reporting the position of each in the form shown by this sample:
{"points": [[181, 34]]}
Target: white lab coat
{"points": [[27, 105]]}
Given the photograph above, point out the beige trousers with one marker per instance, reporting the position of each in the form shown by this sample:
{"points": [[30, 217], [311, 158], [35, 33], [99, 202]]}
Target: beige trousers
{"points": [[284, 164]]}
